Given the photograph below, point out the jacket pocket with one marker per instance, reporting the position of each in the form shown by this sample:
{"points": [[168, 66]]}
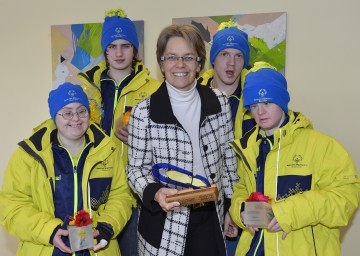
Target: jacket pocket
{"points": [[289, 185], [100, 190]]}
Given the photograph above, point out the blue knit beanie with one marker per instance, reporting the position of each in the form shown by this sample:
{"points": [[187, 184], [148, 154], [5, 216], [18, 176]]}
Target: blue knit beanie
{"points": [[230, 37], [118, 26], [65, 94], [264, 84]]}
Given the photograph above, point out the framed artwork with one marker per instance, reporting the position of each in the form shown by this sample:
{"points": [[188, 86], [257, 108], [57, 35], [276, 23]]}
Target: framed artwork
{"points": [[266, 32], [76, 48]]}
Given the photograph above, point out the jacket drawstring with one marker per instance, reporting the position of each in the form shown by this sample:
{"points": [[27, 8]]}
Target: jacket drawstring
{"points": [[122, 143], [89, 205], [276, 186], [89, 200]]}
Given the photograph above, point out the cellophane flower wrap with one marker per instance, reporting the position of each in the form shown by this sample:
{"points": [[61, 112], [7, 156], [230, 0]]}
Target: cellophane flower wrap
{"points": [[82, 218], [258, 197]]}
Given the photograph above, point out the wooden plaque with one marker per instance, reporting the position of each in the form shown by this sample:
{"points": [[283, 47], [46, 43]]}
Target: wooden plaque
{"points": [[194, 196]]}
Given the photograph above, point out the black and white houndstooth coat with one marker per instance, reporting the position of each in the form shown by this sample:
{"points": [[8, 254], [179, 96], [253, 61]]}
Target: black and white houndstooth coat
{"points": [[156, 136]]}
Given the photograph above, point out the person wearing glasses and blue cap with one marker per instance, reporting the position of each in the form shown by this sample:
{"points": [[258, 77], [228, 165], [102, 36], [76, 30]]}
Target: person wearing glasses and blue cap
{"points": [[68, 164]]}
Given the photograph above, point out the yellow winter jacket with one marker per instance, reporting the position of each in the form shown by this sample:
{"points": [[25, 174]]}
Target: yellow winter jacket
{"points": [[139, 88], [242, 114], [26, 199], [310, 214]]}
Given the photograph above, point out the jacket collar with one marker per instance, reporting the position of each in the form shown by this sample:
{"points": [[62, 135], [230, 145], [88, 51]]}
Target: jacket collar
{"points": [[161, 110], [46, 134], [295, 121]]}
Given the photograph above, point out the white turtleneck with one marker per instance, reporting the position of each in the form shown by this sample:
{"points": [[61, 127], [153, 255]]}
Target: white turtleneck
{"points": [[186, 106]]}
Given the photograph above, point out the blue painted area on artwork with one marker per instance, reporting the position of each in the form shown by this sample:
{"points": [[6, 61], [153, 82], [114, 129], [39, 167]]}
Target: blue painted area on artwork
{"points": [[81, 58]]}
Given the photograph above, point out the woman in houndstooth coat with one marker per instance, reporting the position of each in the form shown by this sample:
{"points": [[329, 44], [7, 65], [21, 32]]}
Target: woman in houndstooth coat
{"points": [[183, 126]]}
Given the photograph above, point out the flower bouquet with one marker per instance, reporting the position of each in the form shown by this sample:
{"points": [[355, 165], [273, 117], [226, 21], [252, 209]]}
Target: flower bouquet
{"points": [[258, 212], [80, 231]]}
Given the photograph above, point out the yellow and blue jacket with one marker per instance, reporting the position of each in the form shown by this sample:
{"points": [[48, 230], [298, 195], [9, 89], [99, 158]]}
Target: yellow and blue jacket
{"points": [[243, 118], [35, 182], [140, 86], [313, 183]]}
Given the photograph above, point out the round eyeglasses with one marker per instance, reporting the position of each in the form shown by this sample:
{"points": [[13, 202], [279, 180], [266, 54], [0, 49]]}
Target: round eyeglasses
{"points": [[68, 115]]}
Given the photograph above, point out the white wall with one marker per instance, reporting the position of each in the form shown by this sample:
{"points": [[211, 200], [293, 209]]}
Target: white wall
{"points": [[322, 64]]}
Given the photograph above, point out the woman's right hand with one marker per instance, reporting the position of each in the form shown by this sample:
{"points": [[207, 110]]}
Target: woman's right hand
{"points": [[160, 197]]}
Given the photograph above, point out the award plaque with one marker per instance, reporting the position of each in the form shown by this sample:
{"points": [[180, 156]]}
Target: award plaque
{"points": [[81, 237], [258, 214], [80, 231], [191, 196]]}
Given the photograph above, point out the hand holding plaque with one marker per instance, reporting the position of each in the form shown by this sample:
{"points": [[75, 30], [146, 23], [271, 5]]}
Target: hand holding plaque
{"points": [[191, 196]]}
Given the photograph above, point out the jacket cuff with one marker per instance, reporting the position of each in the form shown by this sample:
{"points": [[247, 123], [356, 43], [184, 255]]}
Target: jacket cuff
{"points": [[149, 197], [227, 203], [105, 231], [53, 234]]}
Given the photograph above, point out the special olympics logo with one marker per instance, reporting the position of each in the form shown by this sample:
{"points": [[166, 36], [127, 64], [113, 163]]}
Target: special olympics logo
{"points": [[297, 158], [104, 163], [230, 39], [143, 95], [71, 93], [262, 92], [118, 30]]}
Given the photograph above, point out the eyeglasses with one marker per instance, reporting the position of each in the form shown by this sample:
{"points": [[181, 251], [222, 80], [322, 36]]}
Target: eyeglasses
{"points": [[186, 59], [68, 115]]}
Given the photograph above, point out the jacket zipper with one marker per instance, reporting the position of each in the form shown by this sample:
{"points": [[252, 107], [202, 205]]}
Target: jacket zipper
{"points": [[75, 189], [259, 242]]}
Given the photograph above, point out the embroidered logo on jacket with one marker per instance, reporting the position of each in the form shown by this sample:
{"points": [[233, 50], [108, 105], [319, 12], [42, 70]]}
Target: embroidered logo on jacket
{"points": [[290, 185], [297, 159], [96, 202], [104, 165], [141, 96], [292, 191]]}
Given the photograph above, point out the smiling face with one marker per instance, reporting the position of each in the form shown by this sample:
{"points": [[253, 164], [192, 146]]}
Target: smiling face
{"points": [[228, 65], [73, 129], [119, 55], [180, 74], [268, 116]]}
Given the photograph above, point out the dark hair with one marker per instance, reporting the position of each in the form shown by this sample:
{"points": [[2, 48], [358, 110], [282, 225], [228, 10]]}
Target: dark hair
{"points": [[187, 31]]}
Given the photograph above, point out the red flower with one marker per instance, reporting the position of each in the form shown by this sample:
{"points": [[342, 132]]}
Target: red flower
{"points": [[82, 218], [258, 197]]}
